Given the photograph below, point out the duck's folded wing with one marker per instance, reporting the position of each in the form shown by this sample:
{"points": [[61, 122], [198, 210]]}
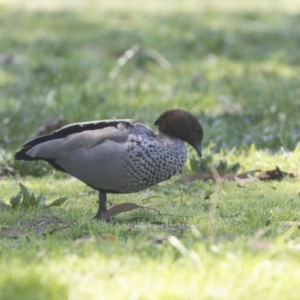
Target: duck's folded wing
{"points": [[74, 136]]}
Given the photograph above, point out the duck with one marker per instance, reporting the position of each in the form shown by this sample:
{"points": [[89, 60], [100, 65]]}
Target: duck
{"points": [[118, 156]]}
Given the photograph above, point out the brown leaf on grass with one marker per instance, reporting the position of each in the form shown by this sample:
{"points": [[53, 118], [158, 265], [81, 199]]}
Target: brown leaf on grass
{"points": [[45, 222], [245, 177], [120, 208], [11, 233], [275, 174]]}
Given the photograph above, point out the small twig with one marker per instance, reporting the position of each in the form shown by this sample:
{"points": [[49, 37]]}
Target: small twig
{"points": [[122, 60], [57, 229], [214, 199], [161, 60], [158, 212], [131, 52]]}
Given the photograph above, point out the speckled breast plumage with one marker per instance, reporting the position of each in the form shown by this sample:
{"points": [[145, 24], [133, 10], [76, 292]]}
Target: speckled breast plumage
{"points": [[151, 160]]}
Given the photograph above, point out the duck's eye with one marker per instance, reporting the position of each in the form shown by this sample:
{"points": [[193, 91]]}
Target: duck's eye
{"points": [[197, 129]]}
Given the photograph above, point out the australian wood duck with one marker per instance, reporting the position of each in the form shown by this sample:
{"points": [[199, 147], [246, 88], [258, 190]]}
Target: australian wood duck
{"points": [[118, 156]]}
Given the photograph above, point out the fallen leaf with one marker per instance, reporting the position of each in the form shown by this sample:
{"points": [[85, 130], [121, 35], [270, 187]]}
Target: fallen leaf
{"points": [[11, 233], [275, 174], [230, 176], [245, 177], [120, 208], [45, 222]]}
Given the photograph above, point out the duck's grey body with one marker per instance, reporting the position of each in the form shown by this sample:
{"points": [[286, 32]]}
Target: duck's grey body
{"points": [[113, 156], [125, 156]]}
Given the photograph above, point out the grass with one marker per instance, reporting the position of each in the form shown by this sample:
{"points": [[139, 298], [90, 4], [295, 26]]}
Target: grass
{"points": [[248, 250], [233, 64]]}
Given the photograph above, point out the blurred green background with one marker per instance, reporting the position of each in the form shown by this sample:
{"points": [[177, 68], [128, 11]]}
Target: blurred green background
{"points": [[234, 64]]}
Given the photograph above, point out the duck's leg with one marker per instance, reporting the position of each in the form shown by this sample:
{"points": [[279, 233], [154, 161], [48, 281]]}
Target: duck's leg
{"points": [[102, 206]]}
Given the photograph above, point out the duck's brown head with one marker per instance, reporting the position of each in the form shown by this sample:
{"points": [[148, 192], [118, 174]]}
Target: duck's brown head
{"points": [[183, 125]]}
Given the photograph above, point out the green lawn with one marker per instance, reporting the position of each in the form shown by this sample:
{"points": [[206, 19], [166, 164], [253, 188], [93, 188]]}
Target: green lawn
{"points": [[234, 64]]}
